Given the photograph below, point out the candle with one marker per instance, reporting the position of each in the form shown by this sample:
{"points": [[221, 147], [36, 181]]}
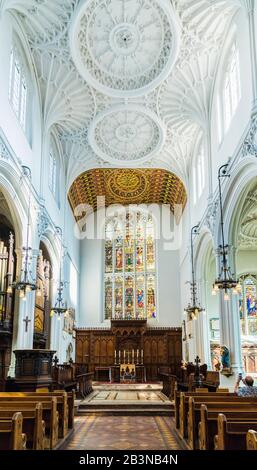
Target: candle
{"points": [[124, 356], [137, 354]]}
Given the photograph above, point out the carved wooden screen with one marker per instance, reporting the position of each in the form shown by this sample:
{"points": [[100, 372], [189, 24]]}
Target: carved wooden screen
{"points": [[42, 305], [7, 270]]}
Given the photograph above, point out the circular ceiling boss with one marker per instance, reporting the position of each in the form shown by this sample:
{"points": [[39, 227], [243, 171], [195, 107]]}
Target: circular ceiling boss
{"points": [[126, 134], [124, 47], [127, 184]]}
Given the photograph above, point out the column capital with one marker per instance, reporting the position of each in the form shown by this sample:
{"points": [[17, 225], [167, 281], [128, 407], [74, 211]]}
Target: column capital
{"points": [[249, 5]]}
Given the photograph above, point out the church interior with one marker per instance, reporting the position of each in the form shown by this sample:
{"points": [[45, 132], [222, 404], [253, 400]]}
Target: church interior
{"points": [[128, 225]]}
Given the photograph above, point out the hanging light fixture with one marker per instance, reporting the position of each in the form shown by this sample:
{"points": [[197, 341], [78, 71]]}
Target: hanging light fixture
{"points": [[60, 307], [26, 284], [194, 308], [226, 280]]}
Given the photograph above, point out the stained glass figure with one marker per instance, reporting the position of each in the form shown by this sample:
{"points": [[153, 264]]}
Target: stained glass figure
{"points": [[151, 304], [108, 257], [129, 298], [140, 297], [248, 305], [118, 297], [119, 258], [108, 299]]}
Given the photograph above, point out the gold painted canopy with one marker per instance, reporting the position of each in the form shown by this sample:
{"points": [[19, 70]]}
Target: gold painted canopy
{"points": [[127, 186]]}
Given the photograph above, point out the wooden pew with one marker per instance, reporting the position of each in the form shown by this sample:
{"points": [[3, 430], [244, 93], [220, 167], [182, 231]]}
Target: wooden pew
{"points": [[50, 414], [251, 440], [62, 404], [11, 435], [184, 405], [208, 426], [33, 425], [177, 401], [227, 404], [70, 402], [232, 436]]}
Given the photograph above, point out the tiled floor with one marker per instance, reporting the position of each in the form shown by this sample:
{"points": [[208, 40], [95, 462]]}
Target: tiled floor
{"points": [[123, 433]]}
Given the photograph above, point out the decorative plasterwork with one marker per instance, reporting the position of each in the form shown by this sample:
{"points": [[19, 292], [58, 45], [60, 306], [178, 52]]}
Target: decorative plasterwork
{"points": [[126, 134], [182, 99], [127, 186], [43, 221], [4, 152], [250, 143], [247, 237], [124, 47], [68, 101]]}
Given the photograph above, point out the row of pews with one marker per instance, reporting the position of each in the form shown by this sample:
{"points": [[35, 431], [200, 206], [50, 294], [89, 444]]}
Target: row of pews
{"points": [[36, 421], [216, 420]]}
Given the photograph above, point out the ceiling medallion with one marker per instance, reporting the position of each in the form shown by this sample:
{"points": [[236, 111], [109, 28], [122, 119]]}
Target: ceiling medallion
{"points": [[127, 184], [126, 134], [124, 47]]}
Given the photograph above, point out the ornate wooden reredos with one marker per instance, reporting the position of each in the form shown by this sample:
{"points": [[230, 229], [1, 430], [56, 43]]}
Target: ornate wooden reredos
{"points": [[43, 301], [162, 347]]}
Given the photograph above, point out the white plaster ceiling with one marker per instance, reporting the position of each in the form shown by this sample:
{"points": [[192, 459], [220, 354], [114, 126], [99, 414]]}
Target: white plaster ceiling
{"points": [[116, 65]]}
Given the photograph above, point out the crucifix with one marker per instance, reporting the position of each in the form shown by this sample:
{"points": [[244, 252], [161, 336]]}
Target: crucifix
{"points": [[27, 321]]}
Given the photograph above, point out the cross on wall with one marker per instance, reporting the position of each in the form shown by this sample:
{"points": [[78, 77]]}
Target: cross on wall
{"points": [[27, 321]]}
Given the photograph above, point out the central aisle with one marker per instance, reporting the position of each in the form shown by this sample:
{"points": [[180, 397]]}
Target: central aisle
{"points": [[124, 433], [124, 417]]}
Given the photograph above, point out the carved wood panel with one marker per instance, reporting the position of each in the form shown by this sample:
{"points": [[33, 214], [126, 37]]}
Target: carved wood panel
{"points": [[161, 348]]}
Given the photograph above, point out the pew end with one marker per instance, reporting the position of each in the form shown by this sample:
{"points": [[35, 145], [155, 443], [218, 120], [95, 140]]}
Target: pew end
{"points": [[251, 440]]}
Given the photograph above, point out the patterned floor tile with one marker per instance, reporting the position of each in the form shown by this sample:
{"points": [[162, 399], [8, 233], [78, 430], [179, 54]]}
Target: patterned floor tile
{"points": [[123, 433]]}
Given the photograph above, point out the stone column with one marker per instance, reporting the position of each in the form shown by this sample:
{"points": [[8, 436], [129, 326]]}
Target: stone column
{"points": [[202, 329], [252, 35], [230, 334]]}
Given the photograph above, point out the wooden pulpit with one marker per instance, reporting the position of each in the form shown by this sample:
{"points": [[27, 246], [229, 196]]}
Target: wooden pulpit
{"points": [[33, 369]]}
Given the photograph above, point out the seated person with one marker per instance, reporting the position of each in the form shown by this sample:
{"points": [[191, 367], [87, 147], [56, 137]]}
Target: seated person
{"points": [[249, 390]]}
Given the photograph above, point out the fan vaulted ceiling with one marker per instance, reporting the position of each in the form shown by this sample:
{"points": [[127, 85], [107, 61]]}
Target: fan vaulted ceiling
{"points": [[125, 82]]}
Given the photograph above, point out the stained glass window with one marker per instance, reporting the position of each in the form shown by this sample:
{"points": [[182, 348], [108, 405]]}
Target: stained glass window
{"points": [[130, 279], [248, 305]]}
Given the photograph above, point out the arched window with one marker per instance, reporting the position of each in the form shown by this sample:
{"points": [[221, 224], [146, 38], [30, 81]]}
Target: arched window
{"points": [[54, 170], [130, 267], [19, 86], [199, 172], [230, 93]]}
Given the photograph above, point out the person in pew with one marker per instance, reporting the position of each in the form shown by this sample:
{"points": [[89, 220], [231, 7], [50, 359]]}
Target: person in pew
{"points": [[249, 390]]}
